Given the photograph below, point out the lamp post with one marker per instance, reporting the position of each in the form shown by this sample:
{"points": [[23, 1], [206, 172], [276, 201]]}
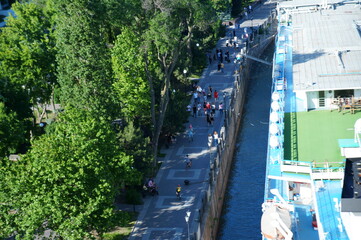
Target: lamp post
{"points": [[185, 73], [185, 80], [188, 214]]}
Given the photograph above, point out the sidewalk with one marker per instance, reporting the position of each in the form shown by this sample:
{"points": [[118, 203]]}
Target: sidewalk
{"points": [[163, 217]]}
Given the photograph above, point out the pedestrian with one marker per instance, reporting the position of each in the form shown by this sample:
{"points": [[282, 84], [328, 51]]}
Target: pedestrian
{"points": [[249, 8], [194, 110], [209, 121], [219, 66], [190, 135], [199, 109], [234, 33], [199, 90], [210, 140], [211, 115], [213, 107], [215, 95], [222, 67], [220, 108], [210, 88], [246, 15], [208, 107], [215, 137], [195, 96]]}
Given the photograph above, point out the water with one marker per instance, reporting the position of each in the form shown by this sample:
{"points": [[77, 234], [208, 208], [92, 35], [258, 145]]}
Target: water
{"points": [[241, 215]]}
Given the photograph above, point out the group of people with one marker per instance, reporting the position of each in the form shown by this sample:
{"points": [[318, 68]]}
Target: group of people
{"points": [[215, 138], [209, 108]]}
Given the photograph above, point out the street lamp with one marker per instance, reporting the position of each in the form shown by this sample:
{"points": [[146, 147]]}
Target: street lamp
{"points": [[187, 221], [185, 72]]}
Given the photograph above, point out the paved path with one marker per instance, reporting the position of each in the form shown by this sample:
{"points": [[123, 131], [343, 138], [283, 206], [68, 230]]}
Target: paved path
{"points": [[163, 217]]}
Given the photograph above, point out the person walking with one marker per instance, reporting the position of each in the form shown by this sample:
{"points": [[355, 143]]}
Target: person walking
{"points": [[222, 67], [199, 109], [194, 110], [213, 107], [209, 121], [211, 115], [215, 94], [210, 140], [208, 107], [215, 137], [190, 135], [195, 96], [220, 108]]}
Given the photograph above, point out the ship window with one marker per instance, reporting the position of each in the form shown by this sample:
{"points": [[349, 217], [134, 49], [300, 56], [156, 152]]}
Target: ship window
{"points": [[344, 93]]}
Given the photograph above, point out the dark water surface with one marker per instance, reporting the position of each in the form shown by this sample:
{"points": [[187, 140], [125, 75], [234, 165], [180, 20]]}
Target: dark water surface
{"points": [[244, 196]]}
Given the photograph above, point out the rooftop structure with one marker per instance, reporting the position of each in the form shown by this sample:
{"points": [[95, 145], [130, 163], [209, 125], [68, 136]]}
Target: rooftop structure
{"points": [[326, 51]]}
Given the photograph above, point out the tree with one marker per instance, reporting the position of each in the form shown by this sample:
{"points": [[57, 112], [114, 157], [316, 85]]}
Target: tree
{"points": [[28, 50], [68, 180], [84, 67], [12, 132], [134, 143], [169, 32], [131, 85]]}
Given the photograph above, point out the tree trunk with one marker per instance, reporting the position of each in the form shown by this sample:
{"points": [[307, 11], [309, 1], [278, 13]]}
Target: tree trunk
{"points": [[159, 120]]}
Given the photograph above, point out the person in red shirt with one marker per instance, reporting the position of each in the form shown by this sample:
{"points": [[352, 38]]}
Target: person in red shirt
{"points": [[215, 94], [208, 107]]}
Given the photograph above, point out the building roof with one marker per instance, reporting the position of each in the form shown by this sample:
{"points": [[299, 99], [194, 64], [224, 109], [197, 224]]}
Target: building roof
{"points": [[326, 45]]}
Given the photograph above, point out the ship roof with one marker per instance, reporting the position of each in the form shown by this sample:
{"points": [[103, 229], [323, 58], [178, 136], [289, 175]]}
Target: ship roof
{"points": [[326, 45]]}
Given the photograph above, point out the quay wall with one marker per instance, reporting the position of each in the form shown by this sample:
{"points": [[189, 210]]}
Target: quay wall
{"points": [[210, 207]]}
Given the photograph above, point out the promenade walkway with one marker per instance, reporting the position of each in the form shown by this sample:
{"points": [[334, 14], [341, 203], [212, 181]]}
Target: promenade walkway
{"points": [[162, 217]]}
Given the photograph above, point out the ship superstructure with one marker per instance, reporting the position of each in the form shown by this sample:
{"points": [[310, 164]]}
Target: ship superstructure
{"points": [[314, 151]]}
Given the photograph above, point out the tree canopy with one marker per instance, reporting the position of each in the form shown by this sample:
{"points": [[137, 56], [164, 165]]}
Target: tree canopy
{"points": [[108, 60], [68, 180]]}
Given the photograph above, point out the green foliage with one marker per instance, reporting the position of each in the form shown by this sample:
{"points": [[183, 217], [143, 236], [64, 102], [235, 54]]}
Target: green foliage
{"points": [[131, 84], [84, 68], [28, 50], [134, 143], [221, 5], [12, 132], [69, 178], [176, 114]]}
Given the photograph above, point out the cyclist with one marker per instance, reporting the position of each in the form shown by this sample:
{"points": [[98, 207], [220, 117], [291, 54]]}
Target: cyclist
{"points": [[178, 191]]}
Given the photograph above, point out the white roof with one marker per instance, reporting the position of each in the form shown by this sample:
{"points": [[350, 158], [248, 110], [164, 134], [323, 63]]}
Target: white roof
{"points": [[326, 46]]}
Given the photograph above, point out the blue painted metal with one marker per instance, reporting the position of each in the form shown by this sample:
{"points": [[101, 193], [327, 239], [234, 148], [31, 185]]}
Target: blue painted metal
{"points": [[328, 212]]}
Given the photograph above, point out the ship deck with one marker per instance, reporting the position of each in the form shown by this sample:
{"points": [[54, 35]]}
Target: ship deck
{"points": [[313, 136]]}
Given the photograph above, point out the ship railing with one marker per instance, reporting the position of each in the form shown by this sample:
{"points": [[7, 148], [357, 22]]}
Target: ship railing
{"points": [[326, 172]]}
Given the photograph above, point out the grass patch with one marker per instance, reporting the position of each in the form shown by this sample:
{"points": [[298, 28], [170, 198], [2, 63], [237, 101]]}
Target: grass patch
{"points": [[123, 224]]}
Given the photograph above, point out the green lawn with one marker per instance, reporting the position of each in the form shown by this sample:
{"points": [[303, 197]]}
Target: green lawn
{"points": [[312, 136]]}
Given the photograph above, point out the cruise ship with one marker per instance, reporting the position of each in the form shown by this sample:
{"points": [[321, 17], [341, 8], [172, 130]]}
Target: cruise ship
{"points": [[313, 176]]}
